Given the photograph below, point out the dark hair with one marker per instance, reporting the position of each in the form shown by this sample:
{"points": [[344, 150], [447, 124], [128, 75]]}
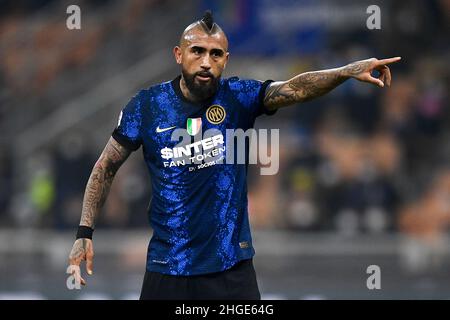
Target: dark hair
{"points": [[208, 20]]}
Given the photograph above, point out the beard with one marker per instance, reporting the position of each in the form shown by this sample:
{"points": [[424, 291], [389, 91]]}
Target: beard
{"points": [[203, 90]]}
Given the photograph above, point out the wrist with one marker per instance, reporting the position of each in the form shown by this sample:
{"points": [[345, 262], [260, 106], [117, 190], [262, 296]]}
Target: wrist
{"points": [[345, 72], [84, 232]]}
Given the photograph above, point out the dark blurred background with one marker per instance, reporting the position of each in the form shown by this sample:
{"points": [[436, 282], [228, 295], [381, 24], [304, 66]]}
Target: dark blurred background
{"points": [[364, 172]]}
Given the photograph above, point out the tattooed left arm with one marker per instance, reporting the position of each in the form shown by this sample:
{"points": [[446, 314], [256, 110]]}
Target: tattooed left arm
{"points": [[310, 85]]}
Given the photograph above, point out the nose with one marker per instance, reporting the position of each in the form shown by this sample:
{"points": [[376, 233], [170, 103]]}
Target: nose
{"points": [[206, 64]]}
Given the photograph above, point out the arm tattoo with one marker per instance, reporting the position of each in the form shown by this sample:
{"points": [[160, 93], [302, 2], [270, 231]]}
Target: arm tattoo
{"points": [[79, 249], [355, 68], [100, 181], [310, 85]]}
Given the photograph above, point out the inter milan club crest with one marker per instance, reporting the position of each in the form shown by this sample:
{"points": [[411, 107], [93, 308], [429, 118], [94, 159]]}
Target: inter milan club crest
{"points": [[193, 125], [215, 114]]}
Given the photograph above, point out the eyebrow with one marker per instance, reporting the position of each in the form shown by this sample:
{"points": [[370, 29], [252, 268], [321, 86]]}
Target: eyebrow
{"points": [[201, 49], [214, 50]]}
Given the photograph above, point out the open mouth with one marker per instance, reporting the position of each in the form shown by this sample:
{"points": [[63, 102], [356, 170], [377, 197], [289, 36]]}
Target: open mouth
{"points": [[203, 77]]}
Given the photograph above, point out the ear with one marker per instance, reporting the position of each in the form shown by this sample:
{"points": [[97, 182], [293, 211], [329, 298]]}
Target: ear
{"points": [[178, 54], [227, 55]]}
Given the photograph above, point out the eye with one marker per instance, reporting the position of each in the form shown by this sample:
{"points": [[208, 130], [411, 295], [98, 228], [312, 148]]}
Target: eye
{"points": [[196, 50], [216, 53]]}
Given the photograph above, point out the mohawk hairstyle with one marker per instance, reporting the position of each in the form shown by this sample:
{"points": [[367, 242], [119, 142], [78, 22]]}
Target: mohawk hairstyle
{"points": [[206, 24], [207, 21]]}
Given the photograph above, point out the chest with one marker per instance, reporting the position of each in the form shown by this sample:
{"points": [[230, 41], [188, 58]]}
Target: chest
{"points": [[179, 124]]}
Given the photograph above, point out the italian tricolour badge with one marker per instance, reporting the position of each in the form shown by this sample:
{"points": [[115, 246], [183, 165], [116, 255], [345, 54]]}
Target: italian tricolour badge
{"points": [[194, 125]]}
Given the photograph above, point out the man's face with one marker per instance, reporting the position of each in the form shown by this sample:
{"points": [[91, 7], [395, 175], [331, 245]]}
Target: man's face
{"points": [[202, 58]]}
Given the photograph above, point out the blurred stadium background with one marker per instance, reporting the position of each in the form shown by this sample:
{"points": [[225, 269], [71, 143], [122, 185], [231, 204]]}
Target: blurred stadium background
{"points": [[364, 175]]}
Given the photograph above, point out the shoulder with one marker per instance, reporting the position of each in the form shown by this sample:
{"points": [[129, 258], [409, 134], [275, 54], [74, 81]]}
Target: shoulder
{"points": [[146, 95], [155, 88], [246, 91], [163, 86], [237, 84]]}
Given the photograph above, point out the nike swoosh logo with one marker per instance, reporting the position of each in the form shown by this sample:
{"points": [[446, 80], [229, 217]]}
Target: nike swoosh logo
{"points": [[159, 130]]}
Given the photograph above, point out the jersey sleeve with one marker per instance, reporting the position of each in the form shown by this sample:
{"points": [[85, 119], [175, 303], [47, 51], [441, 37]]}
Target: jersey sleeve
{"points": [[250, 94], [128, 130]]}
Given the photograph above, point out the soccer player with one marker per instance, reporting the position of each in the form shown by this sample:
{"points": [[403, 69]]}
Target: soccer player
{"points": [[201, 246]]}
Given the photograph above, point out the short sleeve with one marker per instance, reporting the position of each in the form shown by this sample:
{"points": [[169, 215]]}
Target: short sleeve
{"points": [[128, 130], [261, 109], [250, 94]]}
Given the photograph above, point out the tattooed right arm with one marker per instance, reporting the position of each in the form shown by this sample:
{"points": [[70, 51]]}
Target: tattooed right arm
{"points": [[97, 190], [99, 183]]}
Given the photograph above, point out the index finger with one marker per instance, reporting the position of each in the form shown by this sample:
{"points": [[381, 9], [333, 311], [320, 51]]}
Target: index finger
{"points": [[389, 61]]}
